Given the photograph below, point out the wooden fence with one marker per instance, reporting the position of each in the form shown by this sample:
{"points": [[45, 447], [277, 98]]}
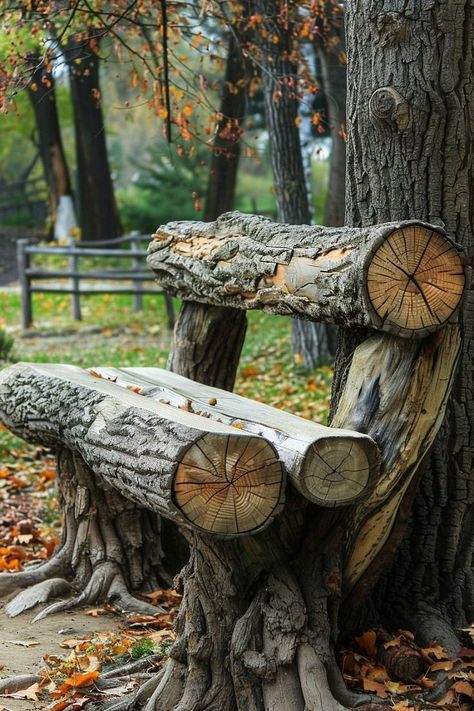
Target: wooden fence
{"points": [[24, 200], [137, 273]]}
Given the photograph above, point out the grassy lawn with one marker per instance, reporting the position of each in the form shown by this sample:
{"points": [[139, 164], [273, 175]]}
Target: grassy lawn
{"points": [[112, 334]]}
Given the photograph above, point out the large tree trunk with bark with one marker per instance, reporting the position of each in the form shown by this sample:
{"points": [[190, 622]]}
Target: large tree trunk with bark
{"points": [[98, 212], [41, 91], [410, 152]]}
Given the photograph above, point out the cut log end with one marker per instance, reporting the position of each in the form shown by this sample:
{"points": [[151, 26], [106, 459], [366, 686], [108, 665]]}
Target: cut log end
{"points": [[229, 495], [415, 280], [339, 472]]}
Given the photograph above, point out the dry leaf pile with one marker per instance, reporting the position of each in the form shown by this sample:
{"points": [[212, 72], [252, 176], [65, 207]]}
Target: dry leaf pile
{"points": [[443, 683], [29, 517]]}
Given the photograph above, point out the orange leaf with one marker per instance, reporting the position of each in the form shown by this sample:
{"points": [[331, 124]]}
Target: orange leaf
{"points": [[367, 643], [86, 679], [435, 651], [393, 642], [464, 687], [442, 666], [374, 686]]}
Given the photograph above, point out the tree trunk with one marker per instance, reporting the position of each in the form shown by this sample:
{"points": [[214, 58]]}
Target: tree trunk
{"points": [[208, 341], [226, 148], [331, 56], [41, 92], [410, 152], [280, 91], [98, 213]]}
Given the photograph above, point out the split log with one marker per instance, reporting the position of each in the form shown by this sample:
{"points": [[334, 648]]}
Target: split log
{"points": [[397, 393], [404, 278], [329, 466], [198, 472]]}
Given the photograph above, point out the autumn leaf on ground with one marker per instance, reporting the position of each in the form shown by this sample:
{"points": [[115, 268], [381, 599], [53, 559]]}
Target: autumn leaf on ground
{"points": [[374, 687], [30, 693], [367, 643]]}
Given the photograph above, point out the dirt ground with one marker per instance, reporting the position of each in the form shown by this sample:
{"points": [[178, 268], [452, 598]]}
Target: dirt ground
{"points": [[45, 635]]}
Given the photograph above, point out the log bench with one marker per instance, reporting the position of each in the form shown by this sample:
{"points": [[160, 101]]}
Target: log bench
{"points": [[281, 514]]}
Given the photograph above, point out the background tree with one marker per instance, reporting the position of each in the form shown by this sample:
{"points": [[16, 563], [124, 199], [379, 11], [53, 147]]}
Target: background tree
{"points": [[330, 49], [98, 212], [41, 91]]}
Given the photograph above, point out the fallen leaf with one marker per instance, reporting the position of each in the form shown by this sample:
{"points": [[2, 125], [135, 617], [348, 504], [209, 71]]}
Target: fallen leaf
{"points": [[96, 612], [436, 651], [23, 643], [77, 680], [464, 687], [393, 642], [72, 643], [442, 666], [29, 693], [367, 643], [375, 686]]}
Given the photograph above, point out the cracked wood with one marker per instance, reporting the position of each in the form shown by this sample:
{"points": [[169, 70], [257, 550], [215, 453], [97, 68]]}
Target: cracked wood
{"points": [[329, 466], [196, 471], [405, 278]]}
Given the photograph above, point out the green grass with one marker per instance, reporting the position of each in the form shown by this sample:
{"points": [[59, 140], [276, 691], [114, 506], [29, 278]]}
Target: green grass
{"points": [[112, 334]]}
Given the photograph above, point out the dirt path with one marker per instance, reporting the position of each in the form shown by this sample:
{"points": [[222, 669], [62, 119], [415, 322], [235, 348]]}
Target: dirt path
{"points": [[45, 636]]}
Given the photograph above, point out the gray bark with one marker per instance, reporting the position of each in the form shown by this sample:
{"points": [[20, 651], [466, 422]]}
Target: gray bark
{"points": [[410, 152], [329, 466], [143, 447], [330, 52], [317, 273]]}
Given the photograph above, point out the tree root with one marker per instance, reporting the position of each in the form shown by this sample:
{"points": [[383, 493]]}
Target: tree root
{"points": [[433, 627], [41, 592], [13, 684], [111, 548], [106, 583]]}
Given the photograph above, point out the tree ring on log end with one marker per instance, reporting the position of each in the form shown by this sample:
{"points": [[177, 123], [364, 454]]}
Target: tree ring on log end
{"points": [[415, 280], [339, 472], [230, 485]]}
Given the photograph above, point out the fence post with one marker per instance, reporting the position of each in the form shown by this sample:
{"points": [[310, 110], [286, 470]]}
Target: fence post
{"points": [[73, 264], [137, 285], [23, 261]]}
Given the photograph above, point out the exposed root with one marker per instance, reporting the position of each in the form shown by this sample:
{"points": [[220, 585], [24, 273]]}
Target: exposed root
{"points": [[12, 684], [148, 662], [119, 597], [314, 682], [170, 689], [41, 592], [106, 583], [346, 697], [435, 628], [53, 568], [111, 548]]}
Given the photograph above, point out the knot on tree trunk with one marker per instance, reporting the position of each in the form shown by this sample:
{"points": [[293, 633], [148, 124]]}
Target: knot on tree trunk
{"points": [[388, 106]]}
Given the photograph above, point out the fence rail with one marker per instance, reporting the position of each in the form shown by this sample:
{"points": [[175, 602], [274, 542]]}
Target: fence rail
{"points": [[136, 273]]}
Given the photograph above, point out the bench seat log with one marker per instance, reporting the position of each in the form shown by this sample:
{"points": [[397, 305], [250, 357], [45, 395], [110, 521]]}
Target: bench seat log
{"points": [[329, 466], [198, 472], [404, 278]]}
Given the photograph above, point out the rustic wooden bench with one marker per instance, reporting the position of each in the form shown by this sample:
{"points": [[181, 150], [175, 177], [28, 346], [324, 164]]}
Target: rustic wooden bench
{"points": [[270, 560]]}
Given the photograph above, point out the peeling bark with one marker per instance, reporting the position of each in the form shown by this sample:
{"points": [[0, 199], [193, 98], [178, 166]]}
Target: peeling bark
{"points": [[404, 278]]}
